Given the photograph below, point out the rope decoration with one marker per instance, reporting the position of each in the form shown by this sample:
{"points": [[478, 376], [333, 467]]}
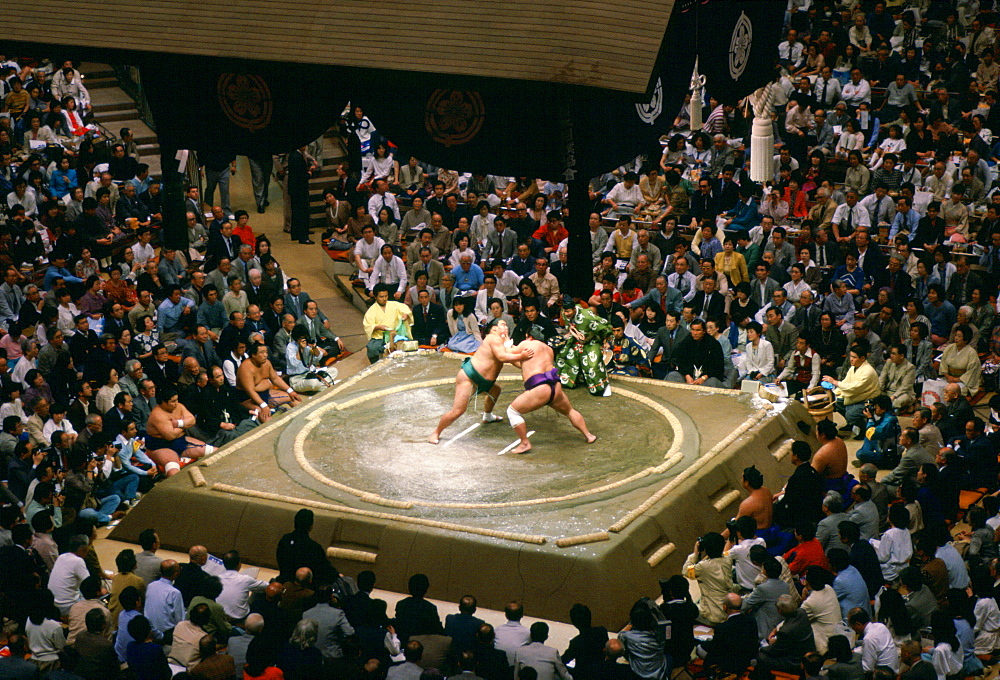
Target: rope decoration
{"points": [[352, 555], [673, 455], [625, 521], [312, 404], [281, 498], [595, 537], [197, 478]]}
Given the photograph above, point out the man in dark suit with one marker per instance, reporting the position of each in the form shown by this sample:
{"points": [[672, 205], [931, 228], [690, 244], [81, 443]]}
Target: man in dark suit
{"points": [[708, 303], [296, 300], [192, 575], [491, 663], [824, 252], [668, 338], [160, 369], [660, 295], [257, 293], [22, 568], [870, 257], [430, 326], [726, 191], [944, 108], [734, 644], [532, 323], [895, 278], [119, 414], [414, 614], [704, 203], [560, 269], [957, 412], [862, 555], [192, 204], [360, 608], [790, 643], [223, 244], [804, 491], [463, 626], [201, 347]]}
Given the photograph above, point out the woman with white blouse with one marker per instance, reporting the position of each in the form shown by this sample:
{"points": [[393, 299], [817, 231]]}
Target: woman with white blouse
{"points": [[759, 355]]}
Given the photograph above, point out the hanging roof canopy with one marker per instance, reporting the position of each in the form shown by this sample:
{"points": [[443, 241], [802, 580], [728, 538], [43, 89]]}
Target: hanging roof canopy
{"points": [[577, 42]]}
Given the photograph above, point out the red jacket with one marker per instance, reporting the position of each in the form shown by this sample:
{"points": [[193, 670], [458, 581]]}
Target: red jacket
{"points": [[804, 555], [543, 233]]}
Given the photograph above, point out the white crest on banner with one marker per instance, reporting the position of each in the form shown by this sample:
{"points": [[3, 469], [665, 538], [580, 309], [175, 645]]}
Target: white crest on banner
{"points": [[739, 46], [648, 113]]}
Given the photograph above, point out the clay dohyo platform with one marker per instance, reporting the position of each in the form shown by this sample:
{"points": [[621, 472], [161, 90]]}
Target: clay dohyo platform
{"points": [[567, 522]]}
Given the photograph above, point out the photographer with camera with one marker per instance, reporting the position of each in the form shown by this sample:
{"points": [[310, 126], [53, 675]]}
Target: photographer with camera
{"points": [[644, 640], [82, 483], [304, 363], [881, 432], [714, 573]]}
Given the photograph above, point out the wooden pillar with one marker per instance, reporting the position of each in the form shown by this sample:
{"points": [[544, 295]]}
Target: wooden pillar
{"points": [[174, 233], [581, 274]]}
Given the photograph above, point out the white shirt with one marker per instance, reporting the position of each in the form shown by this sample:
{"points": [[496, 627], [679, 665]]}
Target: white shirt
{"points": [[67, 574], [51, 427], [746, 571], [21, 368], [794, 290], [236, 590], [790, 52], [878, 648], [143, 253], [376, 202], [624, 195], [368, 251], [859, 216], [507, 284], [482, 299], [64, 321], [830, 87], [688, 284], [946, 661], [894, 551], [509, 637], [759, 359], [886, 208], [855, 94], [390, 272]]}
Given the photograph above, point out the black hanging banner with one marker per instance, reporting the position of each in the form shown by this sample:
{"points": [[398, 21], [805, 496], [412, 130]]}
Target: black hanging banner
{"points": [[738, 45], [240, 107]]}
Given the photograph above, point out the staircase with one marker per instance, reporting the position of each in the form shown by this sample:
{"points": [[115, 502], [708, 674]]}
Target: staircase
{"points": [[333, 154], [115, 110]]}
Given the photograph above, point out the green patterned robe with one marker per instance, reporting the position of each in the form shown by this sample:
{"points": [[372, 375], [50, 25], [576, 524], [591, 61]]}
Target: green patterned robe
{"points": [[583, 362]]}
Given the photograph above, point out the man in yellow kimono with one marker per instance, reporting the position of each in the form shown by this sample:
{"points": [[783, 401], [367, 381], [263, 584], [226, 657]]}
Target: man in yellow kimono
{"points": [[385, 322], [858, 386]]}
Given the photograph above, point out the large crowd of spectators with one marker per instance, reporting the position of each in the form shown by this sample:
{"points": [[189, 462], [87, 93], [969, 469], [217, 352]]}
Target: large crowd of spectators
{"points": [[881, 224], [868, 264]]}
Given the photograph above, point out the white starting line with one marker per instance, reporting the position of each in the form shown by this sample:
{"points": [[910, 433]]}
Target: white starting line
{"points": [[511, 446], [461, 434]]}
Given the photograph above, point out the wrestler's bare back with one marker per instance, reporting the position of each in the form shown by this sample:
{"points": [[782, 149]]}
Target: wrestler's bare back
{"points": [[830, 459], [543, 359]]}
